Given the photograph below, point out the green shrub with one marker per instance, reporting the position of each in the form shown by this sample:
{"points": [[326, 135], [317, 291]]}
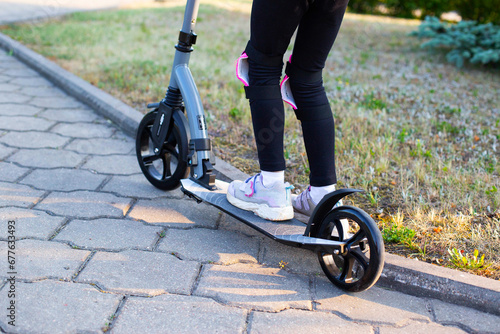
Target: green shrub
{"points": [[463, 41]]}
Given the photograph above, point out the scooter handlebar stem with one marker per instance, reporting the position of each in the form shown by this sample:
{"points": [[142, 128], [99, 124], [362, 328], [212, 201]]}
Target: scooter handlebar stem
{"points": [[190, 16]]}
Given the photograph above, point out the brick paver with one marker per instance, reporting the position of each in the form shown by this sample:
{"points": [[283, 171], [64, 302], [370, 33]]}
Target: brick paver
{"points": [[46, 158], [101, 146], [115, 164], [256, 287], [13, 109], [85, 204], [99, 249], [52, 307], [80, 115], [477, 321], [11, 172], [212, 246], [367, 306], [32, 224], [110, 234], [5, 151], [34, 139], [179, 314], [134, 186], [23, 123], [303, 322], [67, 180], [141, 273], [17, 195], [175, 213], [36, 259], [88, 130], [421, 328]]}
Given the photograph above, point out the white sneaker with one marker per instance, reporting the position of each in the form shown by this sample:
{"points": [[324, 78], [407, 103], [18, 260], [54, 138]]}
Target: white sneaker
{"points": [[271, 203], [304, 203]]}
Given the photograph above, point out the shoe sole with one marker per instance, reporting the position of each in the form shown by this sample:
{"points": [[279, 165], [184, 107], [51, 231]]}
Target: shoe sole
{"points": [[262, 210]]}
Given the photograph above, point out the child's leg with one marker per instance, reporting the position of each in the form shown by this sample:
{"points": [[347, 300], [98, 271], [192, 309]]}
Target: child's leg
{"points": [[272, 26], [315, 37]]}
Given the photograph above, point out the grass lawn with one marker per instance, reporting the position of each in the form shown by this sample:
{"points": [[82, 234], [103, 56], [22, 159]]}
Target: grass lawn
{"points": [[418, 134]]}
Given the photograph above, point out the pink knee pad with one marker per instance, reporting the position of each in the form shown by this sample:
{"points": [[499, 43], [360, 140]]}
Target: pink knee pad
{"points": [[286, 91], [242, 68]]}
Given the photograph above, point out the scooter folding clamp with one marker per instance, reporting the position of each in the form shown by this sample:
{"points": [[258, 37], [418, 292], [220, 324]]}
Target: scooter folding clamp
{"points": [[186, 41]]}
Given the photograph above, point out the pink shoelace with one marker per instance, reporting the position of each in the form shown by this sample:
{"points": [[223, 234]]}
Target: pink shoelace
{"points": [[252, 185]]}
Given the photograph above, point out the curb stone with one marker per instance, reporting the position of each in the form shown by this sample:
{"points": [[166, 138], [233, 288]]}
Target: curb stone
{"points": [[401, 274], [426, 280]]}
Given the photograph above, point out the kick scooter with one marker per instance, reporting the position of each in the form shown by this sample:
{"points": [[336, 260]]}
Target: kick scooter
{"points": [[173, 149]]}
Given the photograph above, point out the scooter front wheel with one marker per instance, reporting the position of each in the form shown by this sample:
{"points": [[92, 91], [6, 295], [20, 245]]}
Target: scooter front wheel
{"points": [[360, 265], [166, 168]]}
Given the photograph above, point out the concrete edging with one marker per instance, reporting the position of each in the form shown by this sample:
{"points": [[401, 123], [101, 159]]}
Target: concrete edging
{"points": [[401, 274]]}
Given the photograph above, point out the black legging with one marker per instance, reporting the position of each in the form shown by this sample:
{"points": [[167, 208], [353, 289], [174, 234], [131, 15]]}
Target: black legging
{"points": [[273, 23]]}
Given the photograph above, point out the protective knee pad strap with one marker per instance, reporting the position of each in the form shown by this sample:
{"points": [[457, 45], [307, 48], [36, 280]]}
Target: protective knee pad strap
{"points": [[318, 113], [242, 69], [262, 58], [299, 75], [263, 92]]}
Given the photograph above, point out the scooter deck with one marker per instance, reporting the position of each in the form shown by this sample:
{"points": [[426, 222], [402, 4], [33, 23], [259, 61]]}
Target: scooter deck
{"points": [[289, 232]]}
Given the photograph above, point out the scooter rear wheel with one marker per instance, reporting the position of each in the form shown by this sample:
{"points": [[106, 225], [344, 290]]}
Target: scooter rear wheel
{"points": [[361, 264], [165, 169]]}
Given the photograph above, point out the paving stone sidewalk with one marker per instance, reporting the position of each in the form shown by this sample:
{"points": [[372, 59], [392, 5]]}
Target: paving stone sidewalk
{"points": [[99, 249]]}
